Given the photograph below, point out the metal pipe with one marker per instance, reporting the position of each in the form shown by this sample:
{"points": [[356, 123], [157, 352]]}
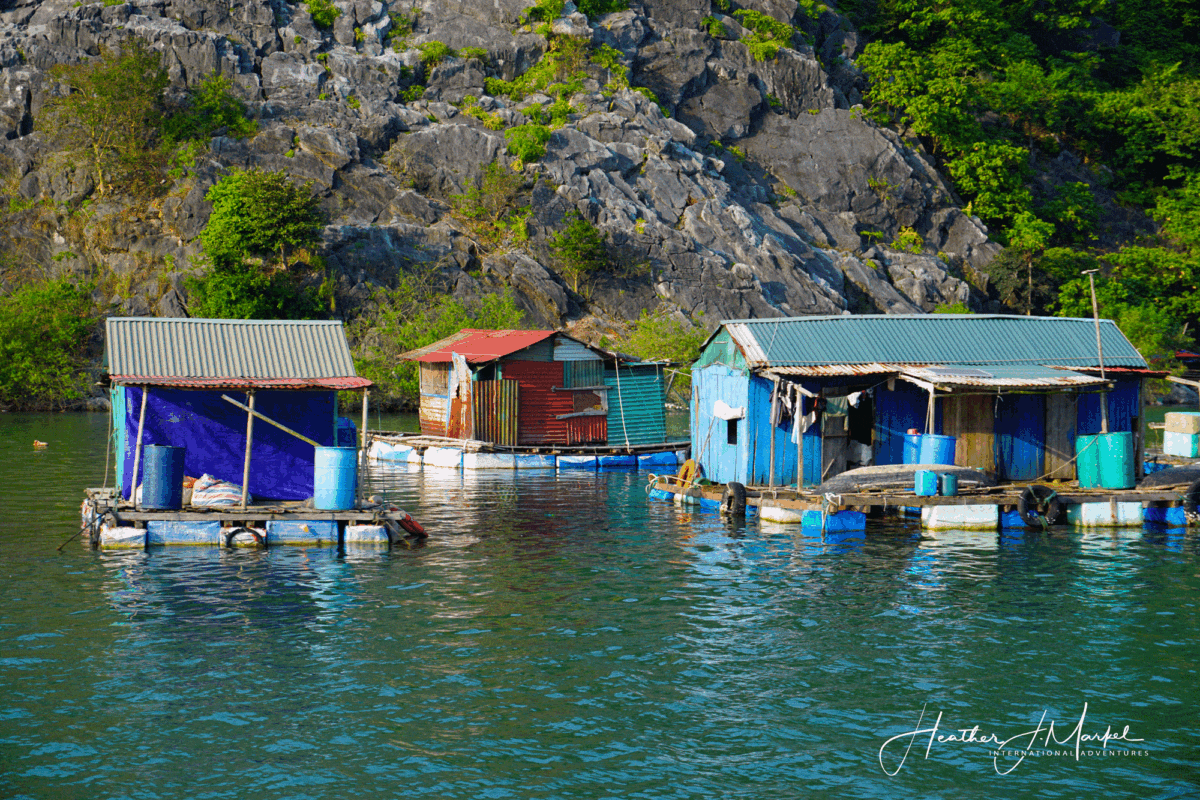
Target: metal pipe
{"points": [[249, 443], [1091, 273], [137, 448]]}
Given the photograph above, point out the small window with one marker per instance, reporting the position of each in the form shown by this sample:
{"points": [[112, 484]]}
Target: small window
{"points": [[731, 431]]}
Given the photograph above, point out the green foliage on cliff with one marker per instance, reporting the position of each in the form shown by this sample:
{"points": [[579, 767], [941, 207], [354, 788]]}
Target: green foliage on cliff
{"points": [[580, 250], [324, 13], [44, 331], [111, 116], [416, 313], [660, 335], [259, 243], [767, 34]]}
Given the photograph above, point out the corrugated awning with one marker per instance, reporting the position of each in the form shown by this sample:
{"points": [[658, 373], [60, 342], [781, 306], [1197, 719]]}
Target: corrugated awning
{"points": [[241, 383], [1001, 377]]}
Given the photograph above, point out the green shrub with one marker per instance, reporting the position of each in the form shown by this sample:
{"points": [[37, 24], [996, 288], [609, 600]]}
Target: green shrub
{"points": [[579, 250], [493, 209], [660, 336], [210, 107], [323, 12], [44, 331], [715, 27], [353, 102], [595, 8], [767, 34], [544, 11], [474, 52], [260, 215], [412, 94], [418, 312], [434, 53], [242, 291], [908, 241], [527, 142]]}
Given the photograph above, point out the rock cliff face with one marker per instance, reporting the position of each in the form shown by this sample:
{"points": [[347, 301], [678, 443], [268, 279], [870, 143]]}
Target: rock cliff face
{"points": [[763, 192]]}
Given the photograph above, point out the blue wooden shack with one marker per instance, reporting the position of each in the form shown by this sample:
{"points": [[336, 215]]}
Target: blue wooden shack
{"points": [[170, 379], [834, 393]]}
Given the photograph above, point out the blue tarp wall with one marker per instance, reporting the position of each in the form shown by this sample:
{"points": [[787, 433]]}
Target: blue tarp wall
{"points": [[1122, 408], [896, 411], [1020, 443], [214, 433]]}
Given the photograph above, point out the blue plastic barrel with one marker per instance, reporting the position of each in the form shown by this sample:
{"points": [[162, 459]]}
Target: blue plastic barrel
{"points": [[162, 477], [912, 448], [937, 449], [949, 484], [347, 434], [1087, 461], [335, 473], [1116, 460], [925, 483]]}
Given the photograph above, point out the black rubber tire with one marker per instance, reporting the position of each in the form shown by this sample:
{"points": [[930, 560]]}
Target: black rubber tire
{"points": [[1191, 499], [733, 501], [258, 537], [1039, 503]]}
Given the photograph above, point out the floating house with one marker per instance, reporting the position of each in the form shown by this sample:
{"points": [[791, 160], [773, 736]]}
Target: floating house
{"points": [[173, 380], [833, 393], [503, 399]]}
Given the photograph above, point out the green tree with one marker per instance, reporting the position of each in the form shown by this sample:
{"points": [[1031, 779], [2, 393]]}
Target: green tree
{"points": [[112, 114], [262, 216], [44, 331], [579, 250], [416, 313], [1029, 237], [661, 335]]}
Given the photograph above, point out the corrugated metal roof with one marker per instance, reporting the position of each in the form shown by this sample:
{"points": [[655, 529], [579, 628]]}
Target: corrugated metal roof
{"points": [[477, 346], [930, 339], [154, 350], [995, 376], [241, 384]]}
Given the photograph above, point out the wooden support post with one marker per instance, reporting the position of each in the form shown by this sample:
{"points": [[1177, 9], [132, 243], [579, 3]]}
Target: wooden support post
{"points": [[774, 412], [137, 448], [362, 434], [799, 422], [249, 442]]}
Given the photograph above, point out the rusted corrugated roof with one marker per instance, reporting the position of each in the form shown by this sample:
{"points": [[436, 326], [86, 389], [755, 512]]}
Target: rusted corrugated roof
{"points": [[477, 346], [229, 353], [997, 377]]}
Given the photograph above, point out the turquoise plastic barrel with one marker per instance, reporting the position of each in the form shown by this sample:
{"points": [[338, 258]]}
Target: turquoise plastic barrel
{"points": [[925, 483], [937, 449], [162, 478], [335, 473], [949, 484], [1116, 460], [912, 448], [1087, 461]]}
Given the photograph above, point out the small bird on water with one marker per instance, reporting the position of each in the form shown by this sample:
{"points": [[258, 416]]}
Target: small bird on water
{"points": [[39, 445]]}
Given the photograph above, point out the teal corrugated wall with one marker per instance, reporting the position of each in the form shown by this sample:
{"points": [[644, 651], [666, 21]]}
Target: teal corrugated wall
{"points": [[641, 399], [583, 373]]}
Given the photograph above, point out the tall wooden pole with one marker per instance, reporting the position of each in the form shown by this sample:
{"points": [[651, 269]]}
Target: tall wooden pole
{"points": [[249, 443], [799, 423], [137, 448], [362, 434], [1091, 273]]}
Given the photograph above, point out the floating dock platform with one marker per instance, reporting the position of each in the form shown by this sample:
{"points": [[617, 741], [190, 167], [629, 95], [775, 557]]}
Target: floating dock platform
{"points": [[111, 522], [981, 508], [437, 451]]}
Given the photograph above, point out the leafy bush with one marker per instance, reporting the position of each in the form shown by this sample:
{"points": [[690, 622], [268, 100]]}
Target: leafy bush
{"points": [[579, 250], [260, 215], [544, 11], [242, 291], [474, 52], [209, 108], [660, 335], [323, 12], [434, 53], [527, 142], [493, 209], [44, 331], [908, 241], [418, 312], [596, 8], [767, 34]]}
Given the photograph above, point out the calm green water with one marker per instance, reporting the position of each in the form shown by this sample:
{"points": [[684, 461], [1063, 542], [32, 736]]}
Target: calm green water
{"points": [[562, 637]]}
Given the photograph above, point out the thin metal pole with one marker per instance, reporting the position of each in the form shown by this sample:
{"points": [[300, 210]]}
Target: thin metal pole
{"points": [[249, 442], [137, 448], [1091, 273], [362, 435]]}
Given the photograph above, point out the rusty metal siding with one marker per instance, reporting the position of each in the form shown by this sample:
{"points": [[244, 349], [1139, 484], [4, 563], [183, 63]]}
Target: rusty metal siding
{"points": [[435, 379], [539, 406], [433, 414], [587, 430], [460, 425], [496, 417], [583, 373]]}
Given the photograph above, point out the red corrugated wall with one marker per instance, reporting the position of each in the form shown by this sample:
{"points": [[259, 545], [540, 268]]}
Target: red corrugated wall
{"points": [[537, 405]]}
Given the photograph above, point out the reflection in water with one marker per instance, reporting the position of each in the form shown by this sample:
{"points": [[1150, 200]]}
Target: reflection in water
{"points": [[560, 636]]}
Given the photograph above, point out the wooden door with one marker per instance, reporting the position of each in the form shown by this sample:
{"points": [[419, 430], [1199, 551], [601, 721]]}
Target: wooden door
{"points": [[971, 420], [1060, 437]]}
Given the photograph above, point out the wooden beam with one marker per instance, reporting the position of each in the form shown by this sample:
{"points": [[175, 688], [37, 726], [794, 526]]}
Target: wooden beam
{"points": [[269, 421], [137, 448], [249, 444]]}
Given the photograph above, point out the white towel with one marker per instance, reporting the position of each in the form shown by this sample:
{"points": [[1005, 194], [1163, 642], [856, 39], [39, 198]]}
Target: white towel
{"points": [[723, 411]]}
